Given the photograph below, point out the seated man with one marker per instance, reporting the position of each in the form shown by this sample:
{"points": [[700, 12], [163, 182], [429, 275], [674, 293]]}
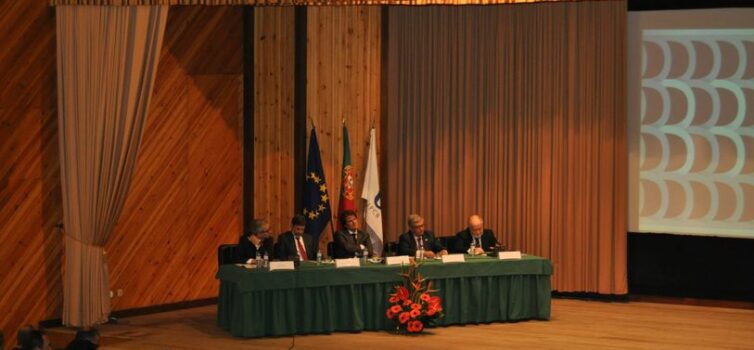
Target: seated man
{"points": [[256, 240], [417, 237], [295, 243], [350, 241], [484, 240]]}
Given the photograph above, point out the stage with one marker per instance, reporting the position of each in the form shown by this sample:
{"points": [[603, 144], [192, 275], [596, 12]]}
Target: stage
{"points": [[574, 324]]}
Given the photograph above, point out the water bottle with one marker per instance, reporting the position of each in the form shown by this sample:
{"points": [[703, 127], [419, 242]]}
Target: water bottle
{"points": [[266, 261], [319, 257], [364, 255], [297, 260], [472, 247], [258, 260]]}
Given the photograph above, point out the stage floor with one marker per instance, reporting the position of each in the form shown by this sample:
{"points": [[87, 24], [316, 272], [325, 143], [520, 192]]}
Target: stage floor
{"points": [[575, 324]]}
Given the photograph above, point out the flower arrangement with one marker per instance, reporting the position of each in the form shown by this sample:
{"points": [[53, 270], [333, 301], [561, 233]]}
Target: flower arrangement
{"points": [[412, 305]]}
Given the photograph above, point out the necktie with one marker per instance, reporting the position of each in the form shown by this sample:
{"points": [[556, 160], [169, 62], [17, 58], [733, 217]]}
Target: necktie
{"points": [[478, 242], [301, 248]]}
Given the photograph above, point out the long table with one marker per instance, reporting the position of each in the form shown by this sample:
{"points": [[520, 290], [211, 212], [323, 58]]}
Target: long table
{"points": [[323, 299]]}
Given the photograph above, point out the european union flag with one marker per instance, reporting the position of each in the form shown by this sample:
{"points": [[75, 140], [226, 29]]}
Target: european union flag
{"points": [[316, 201]]}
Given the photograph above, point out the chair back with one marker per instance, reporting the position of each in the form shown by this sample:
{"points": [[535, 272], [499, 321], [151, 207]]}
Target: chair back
{"points": [[450, 244], [390, 248], [330, 248], [227, 254]]}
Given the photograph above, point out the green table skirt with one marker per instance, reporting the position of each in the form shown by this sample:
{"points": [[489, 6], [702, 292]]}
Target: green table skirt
{"points": [[322, 299]]}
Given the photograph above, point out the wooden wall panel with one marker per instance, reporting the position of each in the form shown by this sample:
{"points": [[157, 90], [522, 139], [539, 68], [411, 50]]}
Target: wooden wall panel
{"points": [[273, 112], [30, 246], [343, 68], [185, 198], [186, 195]]}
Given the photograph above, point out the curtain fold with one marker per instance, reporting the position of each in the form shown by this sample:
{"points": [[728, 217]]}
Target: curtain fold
{"points": [[106, 59], [517, 113]]}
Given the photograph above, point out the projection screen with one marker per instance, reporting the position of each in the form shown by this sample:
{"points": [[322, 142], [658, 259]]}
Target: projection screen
{"points": [[691, 122]]}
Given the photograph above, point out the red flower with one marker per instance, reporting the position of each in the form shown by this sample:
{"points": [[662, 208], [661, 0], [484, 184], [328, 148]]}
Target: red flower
{"points": [[401, 292], [432, 309], [412, 301], [403, 317], [390, 314], [415, 326], [415, 313]]}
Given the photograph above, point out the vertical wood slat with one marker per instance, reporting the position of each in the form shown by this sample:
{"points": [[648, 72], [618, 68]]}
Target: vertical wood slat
{"points": [[343, 84], [273, 110]]}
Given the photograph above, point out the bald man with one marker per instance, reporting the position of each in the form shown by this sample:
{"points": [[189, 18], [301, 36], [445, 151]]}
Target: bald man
{"points": [[484, 240]]}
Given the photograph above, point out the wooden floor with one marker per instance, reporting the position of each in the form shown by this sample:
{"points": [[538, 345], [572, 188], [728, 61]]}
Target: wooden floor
{"points": [[575, 324]]}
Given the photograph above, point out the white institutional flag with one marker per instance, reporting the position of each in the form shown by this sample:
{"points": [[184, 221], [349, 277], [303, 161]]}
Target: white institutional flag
{"points": [[371, 193]]}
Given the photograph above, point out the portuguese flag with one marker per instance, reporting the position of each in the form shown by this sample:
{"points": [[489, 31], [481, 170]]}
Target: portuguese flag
{"points": [[347, 196]]}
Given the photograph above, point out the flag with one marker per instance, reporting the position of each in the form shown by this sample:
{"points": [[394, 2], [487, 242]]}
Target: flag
{"points": [[371, 193], [347, 198], [316, 201]]}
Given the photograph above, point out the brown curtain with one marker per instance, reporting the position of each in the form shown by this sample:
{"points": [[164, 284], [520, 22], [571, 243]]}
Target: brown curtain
{"points": [[107, 58], [517, 113]]}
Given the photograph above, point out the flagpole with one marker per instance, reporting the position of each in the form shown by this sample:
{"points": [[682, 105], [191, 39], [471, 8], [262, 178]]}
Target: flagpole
{"points": [[332, 229]]}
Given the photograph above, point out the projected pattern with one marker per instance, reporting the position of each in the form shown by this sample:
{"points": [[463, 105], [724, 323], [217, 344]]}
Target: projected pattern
{"points": [[697, 132]]}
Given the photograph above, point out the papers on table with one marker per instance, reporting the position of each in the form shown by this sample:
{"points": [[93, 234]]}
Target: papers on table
{"points": [[453, 258], [397, 260], [281, 265], [352, 262], [516, 255]]}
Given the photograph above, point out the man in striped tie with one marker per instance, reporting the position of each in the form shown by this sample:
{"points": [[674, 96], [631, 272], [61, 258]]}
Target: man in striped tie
{"points": [[417, 238]]}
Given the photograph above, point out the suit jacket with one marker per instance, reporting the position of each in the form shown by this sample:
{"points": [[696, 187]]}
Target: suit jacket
{"points": [[346, 247], [287, 246], [247, 251], [407, 243], [463, 241]]}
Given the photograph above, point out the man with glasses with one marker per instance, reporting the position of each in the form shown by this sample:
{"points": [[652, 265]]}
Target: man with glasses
{"points": [[256, 240], [418, 238], [350, 241]]}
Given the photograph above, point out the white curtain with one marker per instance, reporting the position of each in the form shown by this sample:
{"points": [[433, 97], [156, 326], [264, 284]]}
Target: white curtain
{"points": [[107, 58]]}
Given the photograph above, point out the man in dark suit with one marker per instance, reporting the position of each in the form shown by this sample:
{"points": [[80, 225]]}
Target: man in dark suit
{"points": [[295, 243], [484, 240], [256, 240], [417, 237], [350, 241]]}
